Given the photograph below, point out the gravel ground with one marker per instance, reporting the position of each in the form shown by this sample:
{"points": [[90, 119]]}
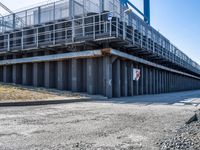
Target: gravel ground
{"points": [[90, 126], [186, 138]]}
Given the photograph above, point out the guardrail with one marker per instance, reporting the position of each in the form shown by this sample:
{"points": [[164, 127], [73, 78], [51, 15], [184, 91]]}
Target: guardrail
{"points": [[95, 27]]}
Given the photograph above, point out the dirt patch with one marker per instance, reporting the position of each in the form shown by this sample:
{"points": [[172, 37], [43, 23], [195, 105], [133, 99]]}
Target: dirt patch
{"points": [[19, 93]]}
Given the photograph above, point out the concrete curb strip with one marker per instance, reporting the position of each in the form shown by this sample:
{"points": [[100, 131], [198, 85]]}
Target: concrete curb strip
{"points": [[42, 102]]}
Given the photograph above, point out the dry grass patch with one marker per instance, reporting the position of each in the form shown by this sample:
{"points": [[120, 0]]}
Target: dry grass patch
{"points": [[11, 92]]}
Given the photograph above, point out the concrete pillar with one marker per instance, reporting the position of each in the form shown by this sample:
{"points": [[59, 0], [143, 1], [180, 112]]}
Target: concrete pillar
{"points": [[27, 74], [91, 76], [107, 76], [69, 75], [171, 82], [150, 80], [167, 82], [1, 73], [99, 74], [61, 75], [156, 82], [141, 81], [130, 79], [4, 73], [14, 72], [153, 81], [17, 74], [146, 80], [160, 81], [74, 75], [7, 72], [124, 79], [38, 74], [49, 74], [116, 78], [164, 81]]}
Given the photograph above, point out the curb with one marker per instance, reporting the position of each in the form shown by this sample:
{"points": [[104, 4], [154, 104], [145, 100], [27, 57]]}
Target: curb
{"points": [[42, 102]]}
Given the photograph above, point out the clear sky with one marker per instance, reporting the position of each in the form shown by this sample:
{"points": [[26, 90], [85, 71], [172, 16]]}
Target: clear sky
{"points": [[178, 20]]}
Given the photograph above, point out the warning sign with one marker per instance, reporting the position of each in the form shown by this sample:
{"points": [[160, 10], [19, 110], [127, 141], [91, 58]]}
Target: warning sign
{"points": [[136, 74]]}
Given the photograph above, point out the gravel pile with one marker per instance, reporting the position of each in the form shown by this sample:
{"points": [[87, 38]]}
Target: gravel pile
{"points": [[186, 138]]}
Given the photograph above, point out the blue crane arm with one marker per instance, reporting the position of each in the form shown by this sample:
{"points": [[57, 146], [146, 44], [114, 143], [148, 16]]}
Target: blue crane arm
{"points": [[135, 8], [146, 13]]}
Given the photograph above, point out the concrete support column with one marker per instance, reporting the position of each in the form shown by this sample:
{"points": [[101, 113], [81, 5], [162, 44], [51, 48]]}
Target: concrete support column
{"points": [[124, 79], [150, 80], [116, 78], [141, 81], [61, 75], [156, 81], [1, 73], [146, 80], [167, 82], [107, 77], [4, 73], [153, 81], [160, 81], [130, 79], [7, 73], [49, 74], [74, 75], [14, 72], [91, 76], [171, 82], [24, 74], [17, 74], [27, 74], [164, 81], [38, 74]]}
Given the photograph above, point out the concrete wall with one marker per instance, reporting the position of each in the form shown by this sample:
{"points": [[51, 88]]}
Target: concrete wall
{"points": [[108, 75]]}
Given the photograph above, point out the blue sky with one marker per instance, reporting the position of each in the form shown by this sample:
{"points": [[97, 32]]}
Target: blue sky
{"points": [[178, 20]]}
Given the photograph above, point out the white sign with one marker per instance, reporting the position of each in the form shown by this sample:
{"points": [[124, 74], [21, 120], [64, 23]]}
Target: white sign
{"points": [[110, 16], [136, 74]]}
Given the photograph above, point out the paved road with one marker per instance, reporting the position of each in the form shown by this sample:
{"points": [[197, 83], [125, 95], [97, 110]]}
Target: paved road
{"points": [[128, 123], [178, 98]]}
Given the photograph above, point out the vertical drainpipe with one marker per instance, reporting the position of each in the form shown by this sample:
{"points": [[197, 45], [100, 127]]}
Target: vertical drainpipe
{"points": [[71, 15], [147, 11], [14, 22], [39, 15], [71, 9], [101, 4]]}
